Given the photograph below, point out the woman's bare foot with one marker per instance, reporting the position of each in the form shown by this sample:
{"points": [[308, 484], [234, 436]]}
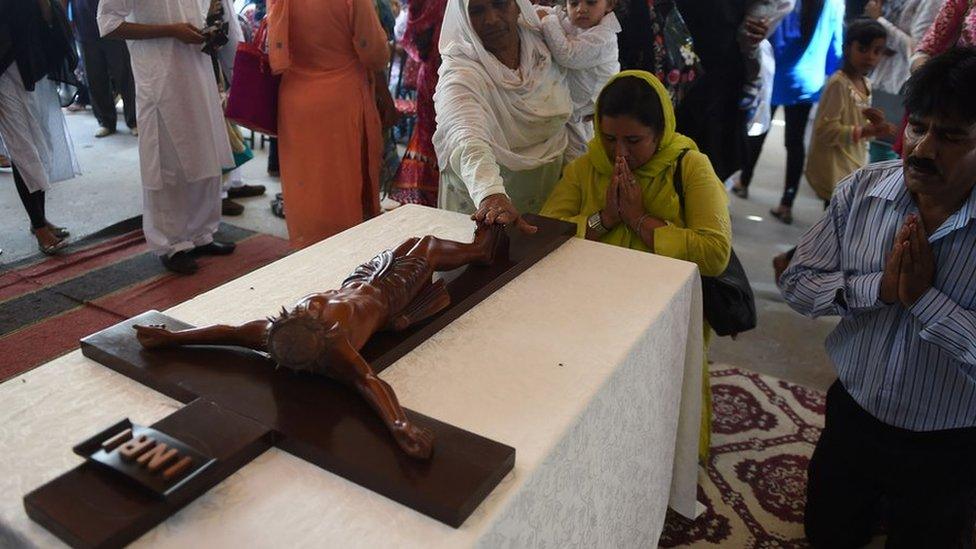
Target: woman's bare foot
{"points": [[417, 442], [59, 232]]}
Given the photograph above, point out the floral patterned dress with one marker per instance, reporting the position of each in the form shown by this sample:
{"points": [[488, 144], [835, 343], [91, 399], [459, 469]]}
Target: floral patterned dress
{"points": [[954, 26], [418, 177]]}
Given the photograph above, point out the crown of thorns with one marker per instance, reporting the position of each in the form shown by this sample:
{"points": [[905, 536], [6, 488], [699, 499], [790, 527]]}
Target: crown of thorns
{"points": [[299, 341]]}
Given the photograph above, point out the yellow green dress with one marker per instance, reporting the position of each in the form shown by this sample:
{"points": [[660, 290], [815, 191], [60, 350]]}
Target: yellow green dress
{"points": [[701, 232]]}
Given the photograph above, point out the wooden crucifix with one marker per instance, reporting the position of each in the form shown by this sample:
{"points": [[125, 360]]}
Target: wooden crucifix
{"points": [[240, 404]]}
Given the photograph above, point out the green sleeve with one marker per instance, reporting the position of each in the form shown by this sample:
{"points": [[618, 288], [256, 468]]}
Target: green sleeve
{"points": [[706, 238], [566, 200]]}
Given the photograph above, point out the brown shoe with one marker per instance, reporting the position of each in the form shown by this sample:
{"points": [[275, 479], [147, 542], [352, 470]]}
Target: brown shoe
{"points": [[229, 207]]}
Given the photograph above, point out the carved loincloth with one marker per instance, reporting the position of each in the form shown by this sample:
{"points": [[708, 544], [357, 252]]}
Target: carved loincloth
{"points": [[406, 285]]}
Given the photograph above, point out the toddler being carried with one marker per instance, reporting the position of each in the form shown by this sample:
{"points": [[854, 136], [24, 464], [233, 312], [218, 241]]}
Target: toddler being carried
{"points": [[583, 39]]}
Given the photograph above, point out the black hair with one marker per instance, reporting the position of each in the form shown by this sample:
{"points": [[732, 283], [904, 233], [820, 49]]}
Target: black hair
{"points": [[864, 31], [633, 97], [945, 86]]}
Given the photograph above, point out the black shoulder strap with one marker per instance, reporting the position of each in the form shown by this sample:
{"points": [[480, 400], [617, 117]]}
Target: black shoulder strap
{"points": [[679, 186]]}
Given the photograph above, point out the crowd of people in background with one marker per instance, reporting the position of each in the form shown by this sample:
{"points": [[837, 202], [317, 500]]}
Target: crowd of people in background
{"points": [[515, 107]]}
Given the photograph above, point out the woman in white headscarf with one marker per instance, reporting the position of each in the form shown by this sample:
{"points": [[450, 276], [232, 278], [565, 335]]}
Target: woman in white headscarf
{"points": [[502, 106]]}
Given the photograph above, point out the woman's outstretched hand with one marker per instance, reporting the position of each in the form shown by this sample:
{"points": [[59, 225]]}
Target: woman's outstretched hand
{"points": [[498, 209]]}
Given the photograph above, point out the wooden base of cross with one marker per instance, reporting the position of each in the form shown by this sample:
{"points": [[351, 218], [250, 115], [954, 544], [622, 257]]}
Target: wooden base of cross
{"points": [[239, 405]]}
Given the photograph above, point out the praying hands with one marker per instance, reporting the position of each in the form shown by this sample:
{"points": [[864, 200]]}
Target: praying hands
{"points": [[910, 269], [625, 203]]}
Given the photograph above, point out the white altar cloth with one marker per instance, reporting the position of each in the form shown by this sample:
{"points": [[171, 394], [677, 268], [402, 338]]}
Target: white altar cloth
{"points": [[589, 364]]}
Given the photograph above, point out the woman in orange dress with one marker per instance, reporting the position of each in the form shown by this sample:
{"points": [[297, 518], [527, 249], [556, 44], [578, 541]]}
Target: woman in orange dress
{"points": [[329, 130]]}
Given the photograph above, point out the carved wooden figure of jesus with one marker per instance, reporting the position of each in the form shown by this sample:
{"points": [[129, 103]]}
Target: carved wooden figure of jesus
{"points": [[324, 332]]}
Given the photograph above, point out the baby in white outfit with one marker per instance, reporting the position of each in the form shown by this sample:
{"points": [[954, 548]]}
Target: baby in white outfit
{"points": [[583, 39]]}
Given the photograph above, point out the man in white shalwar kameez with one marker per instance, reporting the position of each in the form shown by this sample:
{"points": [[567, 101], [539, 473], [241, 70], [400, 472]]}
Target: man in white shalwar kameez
{"points": [[183, 142]]}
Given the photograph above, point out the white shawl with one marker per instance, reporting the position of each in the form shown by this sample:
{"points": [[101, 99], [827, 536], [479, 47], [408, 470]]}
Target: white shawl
{"points": [[521, 114]]}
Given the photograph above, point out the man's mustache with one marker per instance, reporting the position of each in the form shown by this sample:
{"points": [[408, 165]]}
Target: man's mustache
{"points": [[924, 165]]}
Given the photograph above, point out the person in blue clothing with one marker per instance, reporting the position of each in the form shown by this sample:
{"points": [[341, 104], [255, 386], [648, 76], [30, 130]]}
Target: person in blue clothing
{"points": [[808, 46]]}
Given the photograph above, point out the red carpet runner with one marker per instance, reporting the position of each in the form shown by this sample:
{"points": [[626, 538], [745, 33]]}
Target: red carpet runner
{"points": [[46, 307]]}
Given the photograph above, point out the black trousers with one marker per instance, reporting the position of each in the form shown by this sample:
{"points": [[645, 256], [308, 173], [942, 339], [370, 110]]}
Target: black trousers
{"points": [[796, 125], [109, 71], [921, 484], [33, 202]]}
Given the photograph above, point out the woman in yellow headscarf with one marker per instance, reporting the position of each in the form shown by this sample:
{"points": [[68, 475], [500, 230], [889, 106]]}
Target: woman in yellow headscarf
{"points": [[621, 191]]}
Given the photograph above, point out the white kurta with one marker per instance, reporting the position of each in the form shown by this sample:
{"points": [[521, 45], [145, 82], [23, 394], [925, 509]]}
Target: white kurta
{"points": [[183, 143], [34, 132], [590, 55], [176, 93]]}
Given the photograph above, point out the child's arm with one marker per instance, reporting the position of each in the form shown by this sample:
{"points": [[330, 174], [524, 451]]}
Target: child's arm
{"points": [[585, 50]]}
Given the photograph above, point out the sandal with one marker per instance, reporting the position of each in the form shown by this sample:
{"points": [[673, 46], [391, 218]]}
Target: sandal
{"points": [[59, 232], [785, 217], [740, 191], [51, 249]]}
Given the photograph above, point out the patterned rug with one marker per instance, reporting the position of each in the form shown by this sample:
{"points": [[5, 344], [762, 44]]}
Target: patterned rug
{"points": [[763, 433]]}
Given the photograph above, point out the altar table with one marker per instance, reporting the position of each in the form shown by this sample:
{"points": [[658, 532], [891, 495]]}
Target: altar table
{"points": [[588, 364]]}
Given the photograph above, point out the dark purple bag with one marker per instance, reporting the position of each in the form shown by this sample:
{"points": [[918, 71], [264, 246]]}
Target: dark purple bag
{"points": [[253, 99]]}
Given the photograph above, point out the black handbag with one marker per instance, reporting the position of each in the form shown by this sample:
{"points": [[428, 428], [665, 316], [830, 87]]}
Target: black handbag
{"points": [[730, 307]]}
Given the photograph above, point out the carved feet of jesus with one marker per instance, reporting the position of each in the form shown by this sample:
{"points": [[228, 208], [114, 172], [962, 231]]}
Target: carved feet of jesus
{"points": [[416, 441], [154, 337], [492, 240]]}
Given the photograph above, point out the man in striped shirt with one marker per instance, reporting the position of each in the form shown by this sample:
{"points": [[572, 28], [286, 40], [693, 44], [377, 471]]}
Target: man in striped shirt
{"points": [[895, 257]]}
